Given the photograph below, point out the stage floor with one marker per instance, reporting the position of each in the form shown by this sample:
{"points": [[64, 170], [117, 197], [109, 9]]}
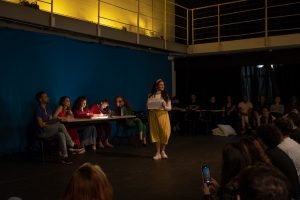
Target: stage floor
{"points": [[131, 170]]}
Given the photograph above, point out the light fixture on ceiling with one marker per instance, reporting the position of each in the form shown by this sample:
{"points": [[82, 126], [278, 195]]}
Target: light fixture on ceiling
{"points": [[260, 66]]}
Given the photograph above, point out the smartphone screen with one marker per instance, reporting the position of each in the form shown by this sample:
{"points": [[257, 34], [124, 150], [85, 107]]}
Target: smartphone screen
{"points": [[206, 174]]}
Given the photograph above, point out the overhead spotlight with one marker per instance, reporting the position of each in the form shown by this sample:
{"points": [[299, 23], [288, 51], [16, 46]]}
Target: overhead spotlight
{"points": [[272, 66], [260, 66]]}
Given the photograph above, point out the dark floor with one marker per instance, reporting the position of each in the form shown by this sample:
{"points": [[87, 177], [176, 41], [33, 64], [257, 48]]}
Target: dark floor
{"points": [[131, 170]]}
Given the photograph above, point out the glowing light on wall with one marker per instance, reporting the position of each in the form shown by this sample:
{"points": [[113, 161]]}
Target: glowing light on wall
{"points": [[121, 16]]}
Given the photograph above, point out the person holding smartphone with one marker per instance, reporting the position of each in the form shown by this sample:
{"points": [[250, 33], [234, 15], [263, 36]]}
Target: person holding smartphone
{"points": [[210, 185], [158, 104]]}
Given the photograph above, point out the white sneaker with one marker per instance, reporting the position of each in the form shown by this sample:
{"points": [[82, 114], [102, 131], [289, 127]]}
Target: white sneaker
{"points": [[81, 151], [157, 157], [164, 155]]}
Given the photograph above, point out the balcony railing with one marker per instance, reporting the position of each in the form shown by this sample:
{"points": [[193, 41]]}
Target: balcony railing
{"points": [[244, 19], [152, 18], [169, 21]]}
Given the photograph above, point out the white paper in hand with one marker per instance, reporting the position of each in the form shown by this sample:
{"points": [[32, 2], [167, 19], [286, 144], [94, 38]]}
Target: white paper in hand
{"points": [[154, 104]]}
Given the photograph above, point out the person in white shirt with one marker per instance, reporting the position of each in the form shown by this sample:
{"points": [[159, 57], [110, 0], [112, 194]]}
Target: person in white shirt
{"points": [[288, 145], [158, 104]]}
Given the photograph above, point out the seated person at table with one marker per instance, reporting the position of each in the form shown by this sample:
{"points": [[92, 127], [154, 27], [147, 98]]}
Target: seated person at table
{"points": [[211, 114], [123, 108], [103, 109], [191, 114], [293, 105], [81, 110], [193, 104], [245, 109], [47, 127], [258, 108], [82, 135], [229, 112]]}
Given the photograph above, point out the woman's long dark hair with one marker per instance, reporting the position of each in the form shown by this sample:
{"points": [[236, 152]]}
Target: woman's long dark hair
{"points": [[126, 105], [164, 94], [78, 102], [62, 99]]}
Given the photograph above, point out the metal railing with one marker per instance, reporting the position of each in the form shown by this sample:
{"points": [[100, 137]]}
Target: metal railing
{"points": [[244, 19], [152, 18], [169, 21], [160, 24]]}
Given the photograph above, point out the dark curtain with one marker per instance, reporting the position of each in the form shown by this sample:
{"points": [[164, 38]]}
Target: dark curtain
{"points": [[260, 80]]}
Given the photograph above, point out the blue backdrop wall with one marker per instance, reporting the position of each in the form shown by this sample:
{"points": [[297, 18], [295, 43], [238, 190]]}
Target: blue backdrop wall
{"points": [[32, 61]]}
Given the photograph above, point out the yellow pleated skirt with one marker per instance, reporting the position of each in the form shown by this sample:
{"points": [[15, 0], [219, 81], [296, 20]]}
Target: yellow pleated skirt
{"points": [[160, 127]]}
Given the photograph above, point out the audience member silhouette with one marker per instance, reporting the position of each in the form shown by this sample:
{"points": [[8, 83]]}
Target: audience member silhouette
{"points": [[269, 137], [262, 182], [89, 182]]}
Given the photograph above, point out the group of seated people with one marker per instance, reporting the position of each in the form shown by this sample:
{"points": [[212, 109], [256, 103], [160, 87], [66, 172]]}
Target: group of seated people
{"points": [[261, 166], [270, 146], [242, 116], [75, 140]]}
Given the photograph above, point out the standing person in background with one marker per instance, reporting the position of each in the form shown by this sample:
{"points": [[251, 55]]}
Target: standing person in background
{"points": [[159, 103], [103, 109], [245, 109]]}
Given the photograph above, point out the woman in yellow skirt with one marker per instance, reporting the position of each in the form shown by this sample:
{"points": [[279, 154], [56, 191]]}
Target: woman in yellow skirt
{"points": [[159, 104]]}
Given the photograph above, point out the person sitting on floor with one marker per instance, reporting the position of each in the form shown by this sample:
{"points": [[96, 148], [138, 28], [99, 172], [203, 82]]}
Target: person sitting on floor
{"points": [[123, 108], [82, 135], [88, 182], [103, 109], [48, 127]]}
